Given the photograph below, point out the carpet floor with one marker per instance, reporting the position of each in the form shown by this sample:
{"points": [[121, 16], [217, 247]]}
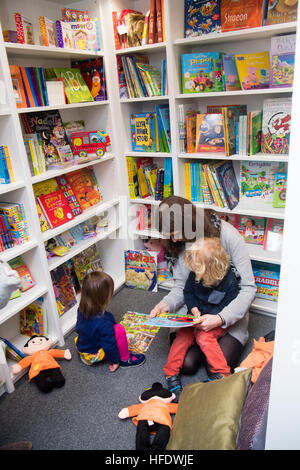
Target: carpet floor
{"points": [[83, 415]]}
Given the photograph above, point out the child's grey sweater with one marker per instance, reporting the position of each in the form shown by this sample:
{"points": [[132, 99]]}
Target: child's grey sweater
{"points": [[236, 313]]}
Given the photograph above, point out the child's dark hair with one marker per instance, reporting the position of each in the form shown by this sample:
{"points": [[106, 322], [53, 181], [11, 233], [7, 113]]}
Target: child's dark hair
{"points": [[96, 293], [34, 336]]}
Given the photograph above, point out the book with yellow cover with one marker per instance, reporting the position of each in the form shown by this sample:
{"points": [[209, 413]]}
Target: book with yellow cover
{"points": [[253, 70]]}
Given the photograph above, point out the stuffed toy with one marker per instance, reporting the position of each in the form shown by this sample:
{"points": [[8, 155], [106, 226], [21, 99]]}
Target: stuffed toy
{"points": [[44, 371], [154, 244], [9, 282], [153, 414]]}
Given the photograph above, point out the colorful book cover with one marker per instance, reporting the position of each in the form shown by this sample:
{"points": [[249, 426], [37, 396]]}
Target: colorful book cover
{"points": [[27, 281], [198, 72], [18, 87], [201, 17], [232, 219], [144, 132], [63, 289], [32, 319], [279, 195], [255, 128], [133, 182], [24, 29], [276, 126], [231, 116], [69, 14], [228, 181], [86, 262], [139, 335], [282, 58], [171, 320], [64, 34], [141, 165], [69, 194], [218, 77], [168, 178], [92, 71], [257, 180], [141, 270], [274, 235], [76, 89], [85, 187], [209, 133], [253, 70], [238, 14], [230, 73], [282, 11], [47, 31], [267, 277], [252, 229], [164, 113], [85, 34], [55, 208]]}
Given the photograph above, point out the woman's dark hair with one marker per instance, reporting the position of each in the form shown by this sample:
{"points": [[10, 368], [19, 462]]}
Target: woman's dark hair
{"points": [[187, 219], [96, 293]]}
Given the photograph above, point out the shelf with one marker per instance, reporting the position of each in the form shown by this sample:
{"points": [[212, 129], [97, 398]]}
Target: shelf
{"points": [[4, 111], [262, 91], [18, 250], [260, 157], [147, 49], [239, 35], [246, 208], [16, 305], [6, 188], [53, 263], [257, 253], [87, 214], [61, 106], [144, 98], [146, 200], [264, 306], [28, 50], [54, 173], [147, 233], [149, 154]]}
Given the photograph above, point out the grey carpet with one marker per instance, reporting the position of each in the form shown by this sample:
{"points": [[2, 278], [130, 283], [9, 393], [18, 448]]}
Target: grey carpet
{"points": [[84, 413]]}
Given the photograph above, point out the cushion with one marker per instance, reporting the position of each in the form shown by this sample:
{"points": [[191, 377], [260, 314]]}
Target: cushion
{"points": [[208, 414], [252, 431]]}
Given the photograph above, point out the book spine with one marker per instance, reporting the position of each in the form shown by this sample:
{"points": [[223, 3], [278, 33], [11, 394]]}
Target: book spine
{"points": [[151, 39], [9, 165], [140, 76], [146, 29], [187, 180], [159, 21], [219, 186], [209, 184], [59, 34], [163, 19], [3, 179], [135, 77], [129, 83], [115, 25], [19, 26], [43, 30]]}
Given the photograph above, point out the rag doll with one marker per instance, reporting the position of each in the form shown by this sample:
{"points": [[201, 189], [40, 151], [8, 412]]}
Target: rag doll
{"points": [[153, 414], [44, 371]]}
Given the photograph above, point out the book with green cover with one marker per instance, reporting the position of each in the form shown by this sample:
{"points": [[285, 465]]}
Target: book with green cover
{"points": [[255, 118], [76, 89]]}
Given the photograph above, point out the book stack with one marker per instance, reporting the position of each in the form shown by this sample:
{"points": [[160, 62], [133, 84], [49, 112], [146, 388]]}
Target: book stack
{"points": [[133, 28], [146, 180], [13, 225], [138, 78], [212, 183], [6, 171], [150, 132]]}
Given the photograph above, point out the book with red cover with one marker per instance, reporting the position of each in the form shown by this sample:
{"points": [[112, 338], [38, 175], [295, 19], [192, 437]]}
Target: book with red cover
{"points": [[152, 28], [85, 188], [159, 25], [55, 208]]}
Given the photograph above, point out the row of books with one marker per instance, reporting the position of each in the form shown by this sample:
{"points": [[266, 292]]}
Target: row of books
{"points": [[150, 132], [76, 30], [67, 278], [14, 229], [35, 86], [202, 17], [217, 72], [145, 179], [61, 199], [138, 78], [133, 28], [267, 233], [6, 171], [230, 129], [215, 183]]}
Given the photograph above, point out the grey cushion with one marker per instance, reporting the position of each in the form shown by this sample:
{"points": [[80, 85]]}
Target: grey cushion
{"points": [[253, 423]]}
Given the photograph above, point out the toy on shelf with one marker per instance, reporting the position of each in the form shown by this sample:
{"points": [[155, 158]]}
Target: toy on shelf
{"points": [[44, 370], [89, 145], [152, 414]]}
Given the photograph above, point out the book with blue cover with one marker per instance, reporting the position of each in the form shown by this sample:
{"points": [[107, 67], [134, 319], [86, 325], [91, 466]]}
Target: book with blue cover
{"points": [[201, 17], [228, 181], [168, 178], [230, 74], [198, 72]]}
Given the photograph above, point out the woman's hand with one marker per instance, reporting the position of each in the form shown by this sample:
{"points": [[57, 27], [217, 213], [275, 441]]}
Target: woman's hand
{"points": [[159, 308], [208, 322], [113, 367], [197, 315]]}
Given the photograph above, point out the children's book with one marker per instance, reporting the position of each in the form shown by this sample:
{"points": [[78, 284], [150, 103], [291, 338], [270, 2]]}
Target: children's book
{"points": [[274, 235], [231, 116], [144, 132], [252, 229], [253, 70], [201, 17], [139, 335], [142, 164], [27, 281], [279, 195], [69, 194], [63, 32], [55, 208], [141, 270], [86, 262], [12, 350], [254, 131], [209, 133], [171, 320], [18, 87], [32, 319], [72, 127], [198, 72], [24, 29], [282, 58], [85, 187], [266, 278], [63, 289], [92, 71], [163, 121], [76, 89], [230, 73], [257, 180], [238, 14], [276, 125], [227, 179], [282, 11], [133, 182], [69, 14], [47, 31], [168, 178], [232, 219], [85, 34]]}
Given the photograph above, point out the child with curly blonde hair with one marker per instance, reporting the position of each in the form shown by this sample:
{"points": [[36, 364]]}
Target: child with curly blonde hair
{"points": [[211, 286]]}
